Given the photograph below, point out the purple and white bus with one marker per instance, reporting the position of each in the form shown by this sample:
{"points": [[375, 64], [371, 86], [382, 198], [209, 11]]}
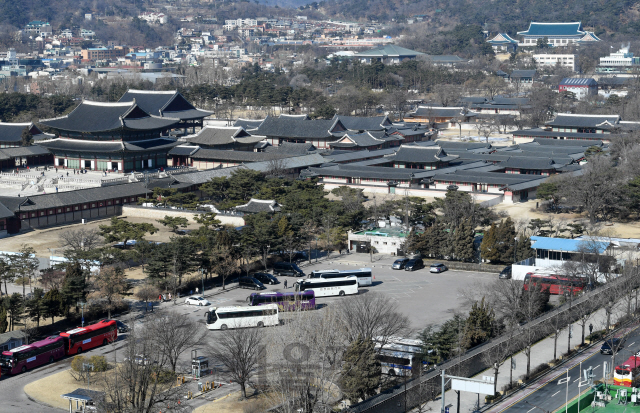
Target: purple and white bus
{"points": [[293, 301], [23, 358]]}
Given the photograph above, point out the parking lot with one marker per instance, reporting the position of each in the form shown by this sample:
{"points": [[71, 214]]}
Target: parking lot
{"points": [[426, 298]]}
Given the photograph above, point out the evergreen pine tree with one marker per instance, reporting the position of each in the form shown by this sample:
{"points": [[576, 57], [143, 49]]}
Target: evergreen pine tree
{"points": [[479, 325], [53, 304], [523, 249], [489, 246], [505, 239], [74, 286], [361, 371], [463, 241], [4, 324]]}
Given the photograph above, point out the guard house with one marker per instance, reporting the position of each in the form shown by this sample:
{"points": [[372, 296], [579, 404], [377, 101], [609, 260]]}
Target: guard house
{"points": [[503, 43], [110, 136], [168, 104], [85, 400]]}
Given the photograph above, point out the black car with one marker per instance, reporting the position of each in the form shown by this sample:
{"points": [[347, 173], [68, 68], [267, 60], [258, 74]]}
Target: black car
{"points": [[505, 274], [287, 268], [414, 264], [122, 327], [611, 345], [400, 263], [265, 278], [250, 282]]}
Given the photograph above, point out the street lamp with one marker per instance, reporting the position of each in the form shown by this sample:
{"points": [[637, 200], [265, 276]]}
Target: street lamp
{"points": [[81, 304], [202, 270], [316, 248], [515, 250]]}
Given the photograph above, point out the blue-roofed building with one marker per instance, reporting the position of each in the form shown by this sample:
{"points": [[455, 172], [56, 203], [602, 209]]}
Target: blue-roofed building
{"points": [[552, 253], [503, 43], [557, 34]]}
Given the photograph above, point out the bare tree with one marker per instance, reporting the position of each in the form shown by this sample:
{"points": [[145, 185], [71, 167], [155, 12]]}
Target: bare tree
{"points": [[82, 239], [109, 284], [147, 293], [371, 316], [486, 127], [277, 168], [142, 383], [175, 333], [241, 351], [223, 263]]}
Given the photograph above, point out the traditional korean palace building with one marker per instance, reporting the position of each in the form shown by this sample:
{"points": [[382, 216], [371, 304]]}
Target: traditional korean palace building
{"points": [[503, 43], [557, 34], [168, 104], [110, 136]]}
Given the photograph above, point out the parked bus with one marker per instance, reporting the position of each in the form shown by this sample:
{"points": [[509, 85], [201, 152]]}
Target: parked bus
{"points": [[305, 300], [556, 284], [238, 317], [628, 373], [400, 356], [325, 288], [364, 275], [85, 338], [29, 356]]}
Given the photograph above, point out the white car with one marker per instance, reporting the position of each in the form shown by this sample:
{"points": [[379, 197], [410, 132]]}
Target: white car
{"points": [[196, 301]]}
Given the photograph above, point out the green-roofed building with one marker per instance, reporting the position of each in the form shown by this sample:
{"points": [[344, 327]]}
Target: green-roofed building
{"points": [[389, 53]]}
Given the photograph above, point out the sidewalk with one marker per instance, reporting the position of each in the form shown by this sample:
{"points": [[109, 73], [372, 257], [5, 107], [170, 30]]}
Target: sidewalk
{"points": [[541, 352]]}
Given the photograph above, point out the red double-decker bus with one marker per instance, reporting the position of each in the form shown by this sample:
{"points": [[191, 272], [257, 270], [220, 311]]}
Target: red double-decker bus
{"points": [[23, 358], [85, 338], [555, 284]]}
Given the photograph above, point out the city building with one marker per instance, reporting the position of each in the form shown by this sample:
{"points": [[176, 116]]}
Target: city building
{"points": [[563, 60], [620, 61], [580, 87], [104, 53]]}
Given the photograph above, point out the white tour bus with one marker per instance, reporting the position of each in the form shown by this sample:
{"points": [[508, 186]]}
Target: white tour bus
{"points": [[364, 275], [325, 288], [237, 317], [400, 356]]}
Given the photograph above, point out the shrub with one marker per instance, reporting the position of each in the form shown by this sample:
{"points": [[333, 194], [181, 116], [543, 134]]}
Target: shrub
{"points": [[99, 363], [76, 363]]}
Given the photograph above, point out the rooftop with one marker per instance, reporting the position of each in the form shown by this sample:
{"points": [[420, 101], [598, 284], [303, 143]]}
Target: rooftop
{"points": [[567, 245], [384, 232], [389, 50], [554, 29]]}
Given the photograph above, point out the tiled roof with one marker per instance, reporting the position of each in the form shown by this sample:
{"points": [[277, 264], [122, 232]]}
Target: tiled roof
{"points": [[570, 143], [255, 206], [183, 150], [291, 148], [299, 128], [449, 145], [103, 117], [527, 162], [236, 156], [357, 123], [170, 104], [12, 132], [25, 151], [438, 112], [77, 145], [553, 29], [502, 38], [584, 121], [418, 154], [364, 140], [494, 178], [216, 135], [538, 133], [248, 124], [522, 73], [5, 213]]}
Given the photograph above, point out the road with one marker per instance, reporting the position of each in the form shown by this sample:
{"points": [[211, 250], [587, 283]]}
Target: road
{"points": [[553, 394]]}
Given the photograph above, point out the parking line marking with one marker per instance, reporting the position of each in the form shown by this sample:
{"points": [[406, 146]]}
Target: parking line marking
{"points": [[632, 343], [555, 393], [531, 410]]}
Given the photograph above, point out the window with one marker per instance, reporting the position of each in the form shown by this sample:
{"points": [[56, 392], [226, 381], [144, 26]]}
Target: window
{"points": [[93, 205], [75, 208]]}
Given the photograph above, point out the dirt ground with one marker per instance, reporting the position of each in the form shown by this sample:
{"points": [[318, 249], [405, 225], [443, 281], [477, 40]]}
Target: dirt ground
{"points": [[49, 389], [231, 404], [527, 210], [46, 241]]}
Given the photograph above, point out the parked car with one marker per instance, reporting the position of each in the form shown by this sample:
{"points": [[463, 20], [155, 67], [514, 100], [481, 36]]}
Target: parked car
{"points": [[122, 327], [288, 269], [414, 264], [250, 282], [194, 300], [400, 263], [611, 345], [505, 274], [265, 278], [141, 360], [439, 267]]}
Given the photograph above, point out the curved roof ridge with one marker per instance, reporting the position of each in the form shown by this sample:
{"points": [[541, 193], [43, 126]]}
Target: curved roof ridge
{"points": [[17, 123], [152, 92], [107, 104]]}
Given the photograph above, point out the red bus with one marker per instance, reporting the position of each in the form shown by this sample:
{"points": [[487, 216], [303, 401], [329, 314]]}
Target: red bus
{"points": [[85, 338], [628, 373], [556, 284], [23, 358]]}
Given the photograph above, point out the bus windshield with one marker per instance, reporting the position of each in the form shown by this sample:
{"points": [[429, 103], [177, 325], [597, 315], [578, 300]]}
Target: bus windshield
{"points": [[211, 317], [6, 360]]}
